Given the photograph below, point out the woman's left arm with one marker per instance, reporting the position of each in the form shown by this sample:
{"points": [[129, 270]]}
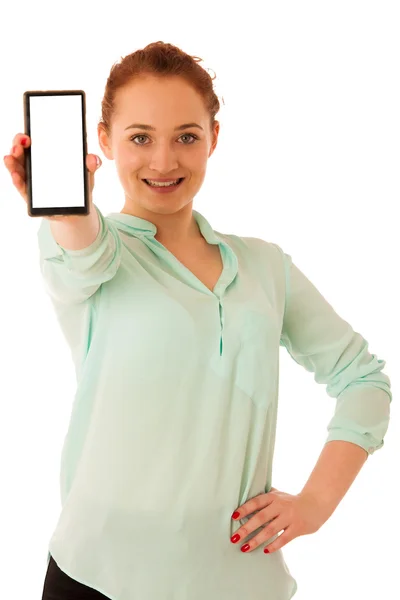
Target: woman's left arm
{"points": [[324, 343], [337, 467], [306, 512]]}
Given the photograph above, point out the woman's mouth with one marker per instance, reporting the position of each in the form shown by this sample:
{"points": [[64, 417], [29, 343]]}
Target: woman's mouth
{"points": [[164, 187]]}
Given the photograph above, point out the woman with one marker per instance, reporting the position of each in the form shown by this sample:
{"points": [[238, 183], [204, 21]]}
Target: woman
{"points": [[175, 332]]}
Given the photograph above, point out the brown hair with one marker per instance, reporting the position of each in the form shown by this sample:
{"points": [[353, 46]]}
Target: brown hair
{"points": [[162, 60]]}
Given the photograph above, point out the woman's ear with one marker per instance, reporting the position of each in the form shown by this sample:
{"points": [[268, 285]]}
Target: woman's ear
{"points": [[214, 137], [104, 142]]}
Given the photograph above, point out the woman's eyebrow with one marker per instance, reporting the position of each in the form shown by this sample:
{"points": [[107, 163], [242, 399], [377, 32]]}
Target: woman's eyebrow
{"points": [[150, 128]]}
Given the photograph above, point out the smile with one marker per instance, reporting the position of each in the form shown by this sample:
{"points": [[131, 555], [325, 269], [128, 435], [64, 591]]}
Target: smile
{"points": [[164, 187], [163, 183]]}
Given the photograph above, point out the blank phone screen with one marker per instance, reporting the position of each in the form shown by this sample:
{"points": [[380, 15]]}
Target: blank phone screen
{"points": [[57, 152]]}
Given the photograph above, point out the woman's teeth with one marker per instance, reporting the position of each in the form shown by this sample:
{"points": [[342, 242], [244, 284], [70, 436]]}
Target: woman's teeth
{"points": [[162, 183]]}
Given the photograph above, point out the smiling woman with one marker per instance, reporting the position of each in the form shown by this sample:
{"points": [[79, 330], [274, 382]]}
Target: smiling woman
{"points": [[175, 330], [161, 92]]}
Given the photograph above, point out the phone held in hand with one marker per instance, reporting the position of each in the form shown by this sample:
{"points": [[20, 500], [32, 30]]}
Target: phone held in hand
{"points": [[55, 162]]}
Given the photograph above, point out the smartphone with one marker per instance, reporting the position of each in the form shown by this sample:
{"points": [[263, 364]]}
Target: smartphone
{"points": [[55, 162]]}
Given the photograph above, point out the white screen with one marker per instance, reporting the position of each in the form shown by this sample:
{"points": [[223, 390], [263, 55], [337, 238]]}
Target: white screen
{"points": [[57, 160]]}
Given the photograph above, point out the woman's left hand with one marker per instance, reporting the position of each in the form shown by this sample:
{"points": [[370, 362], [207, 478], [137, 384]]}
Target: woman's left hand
{"points": [[294, 515]]}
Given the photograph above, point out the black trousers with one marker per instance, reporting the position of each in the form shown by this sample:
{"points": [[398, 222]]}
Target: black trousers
{"points": [[59, 586]]}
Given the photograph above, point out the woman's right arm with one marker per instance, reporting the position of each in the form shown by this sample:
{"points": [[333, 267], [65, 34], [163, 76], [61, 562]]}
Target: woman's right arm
{"points": [[78, 234], [73, 275], [77, 252]]}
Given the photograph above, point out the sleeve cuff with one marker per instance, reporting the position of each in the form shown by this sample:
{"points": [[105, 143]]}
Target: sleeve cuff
{"points": [[365, 441]]}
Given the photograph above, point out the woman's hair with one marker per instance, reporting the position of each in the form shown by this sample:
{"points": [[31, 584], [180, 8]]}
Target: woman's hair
{"points": [[162, 60]]}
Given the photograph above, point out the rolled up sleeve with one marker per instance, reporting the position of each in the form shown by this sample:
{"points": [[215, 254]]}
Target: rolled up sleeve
{"points": [[72, 276], [318, 339]]}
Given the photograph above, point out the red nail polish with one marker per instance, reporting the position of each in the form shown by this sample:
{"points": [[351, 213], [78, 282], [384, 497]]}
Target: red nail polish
{"points": [[245, 548], [266, 550], [235, 515], [23, 141], [235, 538]]}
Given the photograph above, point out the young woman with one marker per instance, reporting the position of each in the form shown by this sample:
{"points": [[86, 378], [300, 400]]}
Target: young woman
{"points": [[175, 331]]}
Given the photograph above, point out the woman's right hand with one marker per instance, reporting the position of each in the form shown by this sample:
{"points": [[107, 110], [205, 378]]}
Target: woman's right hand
{"points": [[15, 163]]}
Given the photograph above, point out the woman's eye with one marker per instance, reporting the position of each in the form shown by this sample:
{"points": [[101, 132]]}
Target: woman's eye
{"points": [[138, 136], [190, 135]]}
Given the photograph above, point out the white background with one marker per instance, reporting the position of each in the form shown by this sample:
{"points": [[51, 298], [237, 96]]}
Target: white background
{"points": [[308, 158]]}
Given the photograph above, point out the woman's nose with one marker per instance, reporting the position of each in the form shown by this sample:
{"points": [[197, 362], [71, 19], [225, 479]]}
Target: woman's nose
{"points": [[163, 159]]}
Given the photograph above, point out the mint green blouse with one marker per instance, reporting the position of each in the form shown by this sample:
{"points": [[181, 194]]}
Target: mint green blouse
{"points": [[174, 418]]}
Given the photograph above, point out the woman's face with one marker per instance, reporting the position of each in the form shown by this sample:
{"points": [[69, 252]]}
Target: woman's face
{"points": [[167, 151]]}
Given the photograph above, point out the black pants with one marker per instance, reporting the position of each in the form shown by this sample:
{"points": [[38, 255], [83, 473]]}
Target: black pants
{"points": [[59, 586]]}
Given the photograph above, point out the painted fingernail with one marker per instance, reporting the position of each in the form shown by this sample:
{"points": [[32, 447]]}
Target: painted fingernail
{"points": [[266, 550], [235, 515], [245, 548], [23, 141], [235, 538]]}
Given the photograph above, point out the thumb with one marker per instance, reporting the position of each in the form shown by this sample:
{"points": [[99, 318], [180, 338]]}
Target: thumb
{"points": [[92, 167], [91, 162]]}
